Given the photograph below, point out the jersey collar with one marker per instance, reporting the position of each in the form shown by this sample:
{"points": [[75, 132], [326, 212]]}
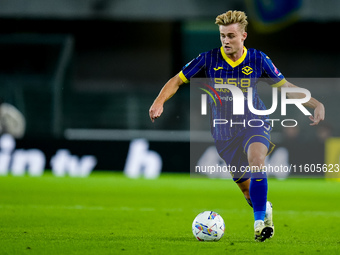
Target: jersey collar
{"points": [[236, 63]]}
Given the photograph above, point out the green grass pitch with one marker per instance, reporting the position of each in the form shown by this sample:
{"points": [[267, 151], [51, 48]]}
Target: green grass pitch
{"points": [[110, 214]]}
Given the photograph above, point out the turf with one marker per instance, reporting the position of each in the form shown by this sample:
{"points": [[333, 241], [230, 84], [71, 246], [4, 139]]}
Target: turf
{"points": [[110, 214]]}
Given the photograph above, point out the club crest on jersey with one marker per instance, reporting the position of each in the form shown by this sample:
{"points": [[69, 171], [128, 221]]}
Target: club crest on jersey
{"points": [[247, 70]]}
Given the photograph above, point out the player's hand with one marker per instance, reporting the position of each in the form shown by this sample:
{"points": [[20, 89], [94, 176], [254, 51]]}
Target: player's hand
{"points": [[155, 111], [319, 115]]}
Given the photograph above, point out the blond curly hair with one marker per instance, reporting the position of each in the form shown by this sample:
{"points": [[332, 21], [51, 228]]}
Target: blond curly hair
{"points": [[232, 17]]}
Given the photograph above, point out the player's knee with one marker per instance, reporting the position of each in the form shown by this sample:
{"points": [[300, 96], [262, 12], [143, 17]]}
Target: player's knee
{"points": [[257, 154], [256, 160]]}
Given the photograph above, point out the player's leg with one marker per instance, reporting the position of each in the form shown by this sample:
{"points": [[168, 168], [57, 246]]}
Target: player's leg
{"points": [[233, 152], [256, 158], [258, 189], [244, 187], [268, 219]]}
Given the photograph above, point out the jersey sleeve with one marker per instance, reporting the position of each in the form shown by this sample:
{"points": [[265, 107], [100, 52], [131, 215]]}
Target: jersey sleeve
{"points": [[269, 71], [192, 68]]}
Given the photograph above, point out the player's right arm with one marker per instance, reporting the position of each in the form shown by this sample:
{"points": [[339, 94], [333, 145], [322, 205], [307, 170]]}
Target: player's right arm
{"points": [[168, 90], [171, 87]]}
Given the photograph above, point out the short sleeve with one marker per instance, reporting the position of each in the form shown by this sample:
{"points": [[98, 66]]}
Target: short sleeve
{"points": [[192, 68], [274, 77]]}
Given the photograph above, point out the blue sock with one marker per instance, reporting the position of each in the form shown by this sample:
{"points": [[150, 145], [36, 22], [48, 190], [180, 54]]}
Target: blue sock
{"points": [[258, 193]]}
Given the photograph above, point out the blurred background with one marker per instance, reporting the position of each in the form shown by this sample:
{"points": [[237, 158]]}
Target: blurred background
{"points": [[77, 78]]}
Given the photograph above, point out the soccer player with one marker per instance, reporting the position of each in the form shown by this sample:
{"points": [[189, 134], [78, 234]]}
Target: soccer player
{"points": [[239, 145]]}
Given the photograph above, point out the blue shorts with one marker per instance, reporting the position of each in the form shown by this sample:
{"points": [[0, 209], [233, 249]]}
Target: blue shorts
{"points": [[234, 151]]}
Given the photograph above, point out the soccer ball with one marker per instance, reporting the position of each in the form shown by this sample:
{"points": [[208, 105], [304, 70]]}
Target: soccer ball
{"points": [[208, 226]]}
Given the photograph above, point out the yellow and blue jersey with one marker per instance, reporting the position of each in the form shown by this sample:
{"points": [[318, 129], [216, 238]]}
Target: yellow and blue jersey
{"points": [[246, 72]]}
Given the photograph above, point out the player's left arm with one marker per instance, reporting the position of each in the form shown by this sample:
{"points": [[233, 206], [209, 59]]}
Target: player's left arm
{"points": [[319, 108]]}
